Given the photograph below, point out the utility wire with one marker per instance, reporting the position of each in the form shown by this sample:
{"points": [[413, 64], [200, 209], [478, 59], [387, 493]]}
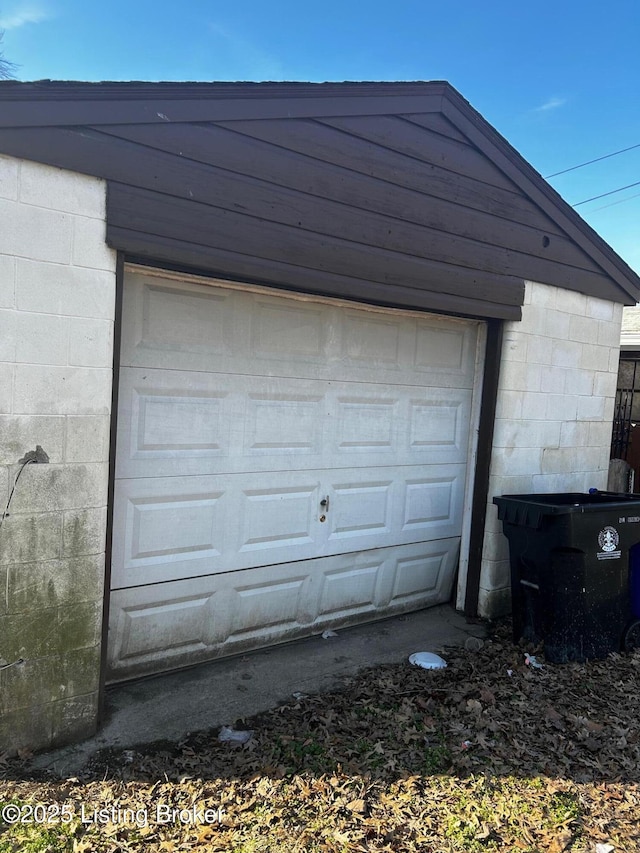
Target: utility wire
{"points": [[611, 192], [589, 162], [613, 203]]}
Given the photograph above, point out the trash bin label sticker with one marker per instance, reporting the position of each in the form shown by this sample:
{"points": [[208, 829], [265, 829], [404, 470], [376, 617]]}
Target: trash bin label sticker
{"points": [[608, 540]]}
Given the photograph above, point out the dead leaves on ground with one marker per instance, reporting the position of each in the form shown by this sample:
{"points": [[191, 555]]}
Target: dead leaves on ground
{"points": [[469, 758]]}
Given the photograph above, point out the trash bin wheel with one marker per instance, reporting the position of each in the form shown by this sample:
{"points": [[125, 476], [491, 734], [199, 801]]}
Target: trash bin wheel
{"points": [[631, 636]]}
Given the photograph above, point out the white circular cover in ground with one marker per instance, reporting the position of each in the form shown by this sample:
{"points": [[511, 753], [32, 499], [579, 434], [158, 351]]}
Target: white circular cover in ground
{"points": [[427, 660]]}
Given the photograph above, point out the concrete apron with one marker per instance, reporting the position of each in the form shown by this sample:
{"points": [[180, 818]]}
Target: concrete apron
{"points": [[167, 707]]}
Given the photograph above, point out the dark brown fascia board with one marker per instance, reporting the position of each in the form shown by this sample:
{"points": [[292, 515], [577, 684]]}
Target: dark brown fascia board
{"points": [[54, 104], [487, 139]]}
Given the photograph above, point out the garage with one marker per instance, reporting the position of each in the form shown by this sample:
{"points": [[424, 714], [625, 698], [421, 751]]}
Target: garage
{"points": [[284, 464], [281, 344]]}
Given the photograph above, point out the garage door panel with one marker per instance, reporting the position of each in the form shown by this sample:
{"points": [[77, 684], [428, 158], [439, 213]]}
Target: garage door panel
{"points": [[180, 422], [283, 464], [256, 334], [180, 527], [160, 627]]}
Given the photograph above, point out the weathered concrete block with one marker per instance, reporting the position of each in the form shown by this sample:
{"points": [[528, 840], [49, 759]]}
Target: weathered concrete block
{"points": [[36, 233], [74, 719], [30, 538], [49, 632], [62, 390], [28, 728], [493, 603], [58, 189], [599, 309], [84, 532], [90, 342], [89, 245], [87, 438], [570, 301], [21, 433], [9, 169], [41, 338], [8, 337], [50, 488], [69, 291], [7, 373], [7, 282], [47, 584]]}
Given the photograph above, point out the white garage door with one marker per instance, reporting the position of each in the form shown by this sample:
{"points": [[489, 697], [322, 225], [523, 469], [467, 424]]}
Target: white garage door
{"points": [[283, 464]]}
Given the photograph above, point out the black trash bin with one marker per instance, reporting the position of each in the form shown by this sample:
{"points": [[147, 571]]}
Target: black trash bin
{"points": [[575, 570]]}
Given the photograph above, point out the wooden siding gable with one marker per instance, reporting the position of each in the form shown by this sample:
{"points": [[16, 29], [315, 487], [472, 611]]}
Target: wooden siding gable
{"points": [[398, 194]]}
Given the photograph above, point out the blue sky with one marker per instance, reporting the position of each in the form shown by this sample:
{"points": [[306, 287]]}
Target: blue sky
{"points": [[561, 80]]}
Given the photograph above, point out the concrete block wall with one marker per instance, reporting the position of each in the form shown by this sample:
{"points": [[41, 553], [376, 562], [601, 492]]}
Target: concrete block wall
{"points": [[554, 414], [57, 296]]}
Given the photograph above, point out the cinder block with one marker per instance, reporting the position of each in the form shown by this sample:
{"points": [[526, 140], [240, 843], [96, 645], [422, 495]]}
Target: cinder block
{"points": [[561, 407], [508, 404], [30, 538], [579, 382], [36, 586], [36, 233], [599, 309], [52, 488], [538, 349], [497, 573], [494, 603], [609, 334], [21, 433], [583, 329], [89, 245], [553, 379], [565, 482], [57, 390], [590, 408], [9, 167], [84, 532], [565, 353], [8, 320], [50, 632], [574, 434], [571, 302], [526, 433], [70, 291], [564, 460], [514, 347], [4, 574], [534, 406], [40, 681], [7, 282], [495, 547], [90, 342], [74, 719], [604, 384], [599, 434], [87, 438], [541, 295], [514, 461], [41, 338], [59, 189], [595, 357], [28, 728], [545, 322], [518, 376], [7, 373]]}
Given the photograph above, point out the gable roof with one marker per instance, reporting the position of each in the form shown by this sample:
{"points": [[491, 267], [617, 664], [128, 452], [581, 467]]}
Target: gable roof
{"points": [[394, 193]]}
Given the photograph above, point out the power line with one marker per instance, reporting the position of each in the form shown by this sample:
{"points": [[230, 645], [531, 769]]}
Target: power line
{"points": [[589, 162], [611, 192], [613, 203]]}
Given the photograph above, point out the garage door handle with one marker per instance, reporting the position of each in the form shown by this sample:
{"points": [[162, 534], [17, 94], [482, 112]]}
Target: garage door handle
{"points": [[324, 503]]}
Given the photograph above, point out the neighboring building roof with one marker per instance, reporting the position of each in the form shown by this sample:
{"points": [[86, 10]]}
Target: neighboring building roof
{"points": [[395, 193]]}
